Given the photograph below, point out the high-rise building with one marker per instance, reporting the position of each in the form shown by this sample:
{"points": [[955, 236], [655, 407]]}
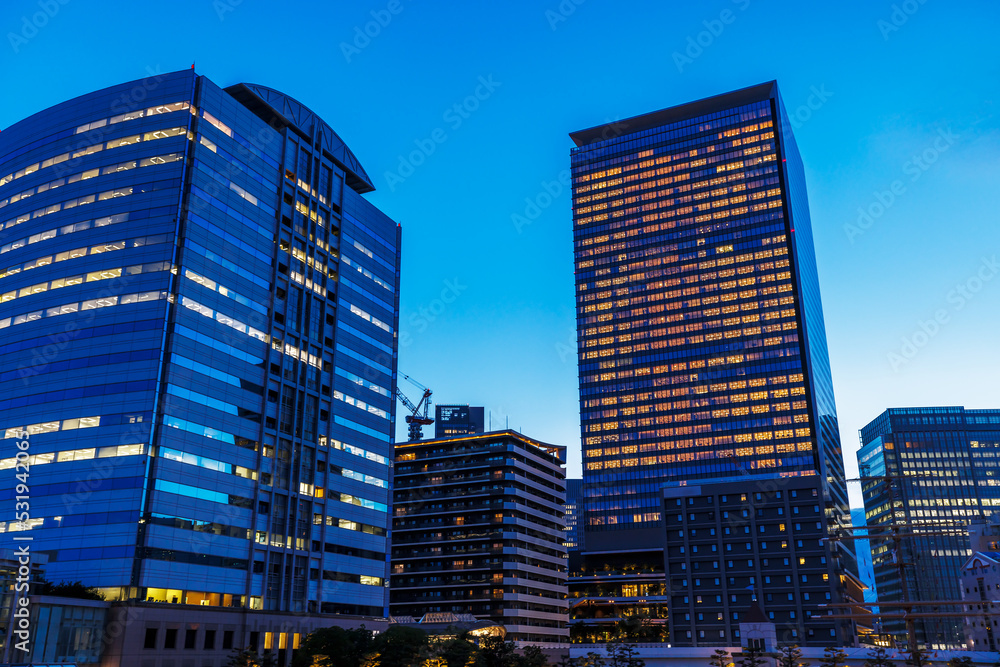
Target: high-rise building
{"points": [[702, 347], [478, 529], [452, 420], [574, 487], [198, 345], [928, 473]]}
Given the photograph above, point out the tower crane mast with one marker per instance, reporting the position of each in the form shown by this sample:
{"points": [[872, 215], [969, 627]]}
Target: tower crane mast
{"points": [[418, 417]]}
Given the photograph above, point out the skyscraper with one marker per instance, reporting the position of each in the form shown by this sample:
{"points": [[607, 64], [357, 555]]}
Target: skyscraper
{"points": [[928, 473], [199, 339], [702, 347]]}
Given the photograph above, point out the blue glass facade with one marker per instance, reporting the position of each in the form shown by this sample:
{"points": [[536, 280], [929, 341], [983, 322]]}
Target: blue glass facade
{"points": [[927, 474], [199, 315], [702, 342], [702, 346]]}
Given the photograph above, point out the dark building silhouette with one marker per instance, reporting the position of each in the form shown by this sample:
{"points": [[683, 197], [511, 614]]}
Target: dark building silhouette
{"points": [[574, 487], [450, 420]]}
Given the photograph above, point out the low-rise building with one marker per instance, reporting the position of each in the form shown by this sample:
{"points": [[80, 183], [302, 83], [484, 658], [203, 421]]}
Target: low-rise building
{"points": [[753, 538], [979, 582]]}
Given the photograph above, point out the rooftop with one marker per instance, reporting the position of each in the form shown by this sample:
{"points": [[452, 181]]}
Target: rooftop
{"points": [[559, 451], [269, 103], [757, 93]]}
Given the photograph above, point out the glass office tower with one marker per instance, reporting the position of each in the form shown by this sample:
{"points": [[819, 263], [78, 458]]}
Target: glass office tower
{"points": [[198, 319], [702, 347], [928, 473]]}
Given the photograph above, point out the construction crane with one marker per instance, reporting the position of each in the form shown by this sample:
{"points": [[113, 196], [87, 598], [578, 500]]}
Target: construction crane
{"points": [[418, 417]]}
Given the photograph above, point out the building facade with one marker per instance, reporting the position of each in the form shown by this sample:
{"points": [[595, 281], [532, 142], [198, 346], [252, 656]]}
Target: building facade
{"points": [[755, 539], [452, 420], [928, 473], [702, 346], [574, 488], [478, 529], [979, 586], [198, 319]]}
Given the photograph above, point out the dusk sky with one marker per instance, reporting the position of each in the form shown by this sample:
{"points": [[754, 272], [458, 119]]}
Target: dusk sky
{"points": [[461, 114]]}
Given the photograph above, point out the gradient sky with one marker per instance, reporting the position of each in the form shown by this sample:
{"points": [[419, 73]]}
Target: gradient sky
{"points": [[487, 314]]}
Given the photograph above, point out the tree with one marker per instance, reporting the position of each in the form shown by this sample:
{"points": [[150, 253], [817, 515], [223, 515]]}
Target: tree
{"points": [[638, 627], [495, 652], [879, 658], [791, 656], [833, 657], [917, 659], [591, 660], [336, 645], [623, 655], [752, 657], [532, 656], [399, 646], [630, 627], [67, 589], [565, 661], [720, 659], [458, 652], [247, 658]]}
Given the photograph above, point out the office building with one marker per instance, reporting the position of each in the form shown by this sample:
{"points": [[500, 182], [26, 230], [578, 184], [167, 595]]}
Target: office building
{"points": [[478, 529], [863, 552], [452, 420], [756, 539], [702, 347], [571, 538], [928, 474], [198, 319]]}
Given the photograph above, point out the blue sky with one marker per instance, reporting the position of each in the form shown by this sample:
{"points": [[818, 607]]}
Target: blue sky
{"points": [[902, 125]]}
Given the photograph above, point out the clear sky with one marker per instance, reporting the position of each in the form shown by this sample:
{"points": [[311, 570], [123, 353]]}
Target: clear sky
{"points": [[902, 99]]}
